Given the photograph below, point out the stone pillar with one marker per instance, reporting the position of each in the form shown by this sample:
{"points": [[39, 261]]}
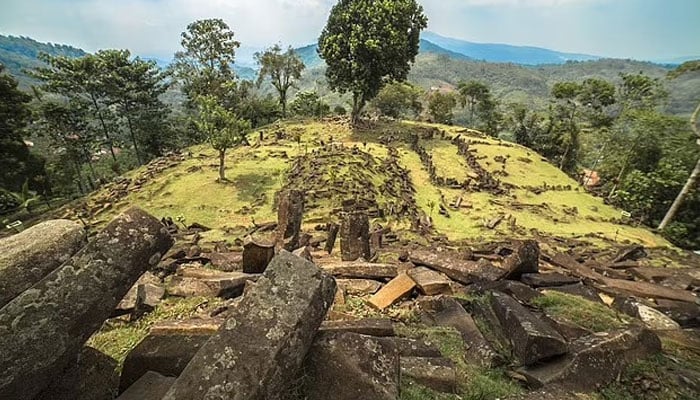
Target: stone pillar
{"points": [[258, 351], [333, 229], [256, 255], [290, 214], [354, 236], [27, 257], [43, 329]]}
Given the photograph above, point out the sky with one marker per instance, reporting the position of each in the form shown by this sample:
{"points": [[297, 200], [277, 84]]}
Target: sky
{"points": [[640, 29]]}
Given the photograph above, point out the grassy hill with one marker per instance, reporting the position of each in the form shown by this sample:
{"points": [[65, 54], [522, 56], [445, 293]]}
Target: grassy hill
{"points": [[380, 166]]}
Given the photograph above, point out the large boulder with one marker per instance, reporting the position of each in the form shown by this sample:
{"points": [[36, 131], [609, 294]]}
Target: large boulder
{"points": [[350, 366], [93, 376], [258, 350], [44, 328], [27, 257], [595, 360], [354, 236], [533, 339], [436, 373], [290, 214]]}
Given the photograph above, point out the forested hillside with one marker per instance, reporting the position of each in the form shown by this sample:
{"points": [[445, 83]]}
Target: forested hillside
{"points": [[20, 53]]}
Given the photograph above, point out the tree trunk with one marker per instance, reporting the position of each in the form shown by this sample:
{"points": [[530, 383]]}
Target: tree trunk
{"points": [[691, 180], [283, 103], [358, 103], [133, 140], [104, 128], [222, 168]]}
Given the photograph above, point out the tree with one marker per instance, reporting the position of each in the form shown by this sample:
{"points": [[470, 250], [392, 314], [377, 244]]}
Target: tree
{"points": [[19, 165], [692, 179], [526, 124], [282, 69], [204, 66], [639, 91], [223, 129], [564, 128], [472, 93], [596, 95], [309, 104], [367, 43], [440, 106], [399, 99]]}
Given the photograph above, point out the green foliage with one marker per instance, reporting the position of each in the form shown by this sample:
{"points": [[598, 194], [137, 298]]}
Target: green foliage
{"points": [[640, 91], [283, 69], [399, 100], [472, 93], [309, 104], [440, 107], [367, 43]]}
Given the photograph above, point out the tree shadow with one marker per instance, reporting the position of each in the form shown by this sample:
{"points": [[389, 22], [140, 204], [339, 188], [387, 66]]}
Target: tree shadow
{"points": [[251, 186]]}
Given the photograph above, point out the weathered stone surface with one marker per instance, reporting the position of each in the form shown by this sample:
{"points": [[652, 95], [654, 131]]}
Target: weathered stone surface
{"points": [[686, 314], [548, 279], [27, 257], [435, 373], [359, 287], [567, 262], [446, 311], [92, 376], [416, 348], [392, 292], [649, 290], [304, 252], [151, 386], [362, 270], [430, 282], [226, 261], [147, 298], [43, 328], [365, 326], [224, 284], [630, 253], [165, 354], [259, 348], [533, 340], [653, 319], [518, 290], [128, 303], [595, 360], [290, 214], [333, 230], [455, 267], [524, 260], [349, 366], [578, 289], [256, 256], [194, 326], [354, 237]]}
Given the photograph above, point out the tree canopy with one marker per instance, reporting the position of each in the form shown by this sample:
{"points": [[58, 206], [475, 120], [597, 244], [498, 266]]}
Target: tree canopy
{"points": [[283, 69]]}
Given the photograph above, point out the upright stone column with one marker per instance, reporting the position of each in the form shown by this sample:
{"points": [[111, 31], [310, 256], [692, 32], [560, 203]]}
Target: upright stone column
{"points": [[290, 214], [27, 257], [257, 352], [43, 329], [354, 236]]}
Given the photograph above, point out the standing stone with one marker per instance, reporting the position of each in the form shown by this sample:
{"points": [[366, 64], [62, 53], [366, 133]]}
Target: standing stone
{"points": [[289, 217], [332, 235], [350, 366], [256, 256], [258, 350], [43, 329], [27, 257], [354, 237], [532, 338], [524, 260]]}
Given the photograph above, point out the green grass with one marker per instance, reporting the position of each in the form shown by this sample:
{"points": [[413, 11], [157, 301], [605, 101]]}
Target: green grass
{"points": [[585, 313], [117, 339], [475, 383]]}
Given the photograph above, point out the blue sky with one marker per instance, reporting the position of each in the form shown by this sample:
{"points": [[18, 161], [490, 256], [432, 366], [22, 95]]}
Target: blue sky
{"points": [[642, 29]]}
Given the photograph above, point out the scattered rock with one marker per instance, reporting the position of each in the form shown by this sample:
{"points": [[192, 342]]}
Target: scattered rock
{"points": [[290, 214], [195, 326], [548, 279], [430, 282], [27, 257], [578, 289], [653, 319], [224, 284], [304, 252], [395, 290], [686, 314], [456, 268], [332, 235], [630, 253], [151, 386], [359, 287], [128, 303], [256, 256], [532, 339], [362, 270], [349, 366], [147, 298], [354, 237], [43, 328], [438, 374], [517, 290], [365, 326], [525, 259], [416, 348], [92, 377], [263, 341]]}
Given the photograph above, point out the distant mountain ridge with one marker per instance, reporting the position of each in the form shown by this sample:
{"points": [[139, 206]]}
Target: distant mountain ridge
{"points": [[18, 53]]}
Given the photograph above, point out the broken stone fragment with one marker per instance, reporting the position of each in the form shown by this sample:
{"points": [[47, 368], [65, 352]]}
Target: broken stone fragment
{"points": [[257, 255], [350, 366], [43, 328], [27, 257], [333, 230], [548, 279], [392, 292], [436, 373], [533, 340], [147, 298], [595, 360], [456, 268], [128, 303], [194, 326], [362, 270], [165, 354], [290, 214], [430, 282], [686, 314], [365, 326], [578, 289], [354, 236], [653, 319], [416, 348], [151, 386], [359, 287], [221, 284], [257, 352], [524, 260]]}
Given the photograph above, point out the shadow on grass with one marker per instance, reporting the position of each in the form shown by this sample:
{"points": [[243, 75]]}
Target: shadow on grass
{"points": [[251, 185]]}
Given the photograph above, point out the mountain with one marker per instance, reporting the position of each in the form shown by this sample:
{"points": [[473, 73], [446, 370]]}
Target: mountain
{"points": [[505, 53]]}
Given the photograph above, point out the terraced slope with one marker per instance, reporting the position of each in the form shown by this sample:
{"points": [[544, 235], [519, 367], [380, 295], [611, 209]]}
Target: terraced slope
{"points": [[432, 178]]}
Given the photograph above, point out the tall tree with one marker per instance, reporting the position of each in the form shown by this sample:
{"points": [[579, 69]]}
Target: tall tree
{"points": [[692, 179], [18, 164], [399, 99], [367, 43], [222, 128], [596, 96], [205, 65], [440, 106], [283, 69], [564, 126], [471, 94]]}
